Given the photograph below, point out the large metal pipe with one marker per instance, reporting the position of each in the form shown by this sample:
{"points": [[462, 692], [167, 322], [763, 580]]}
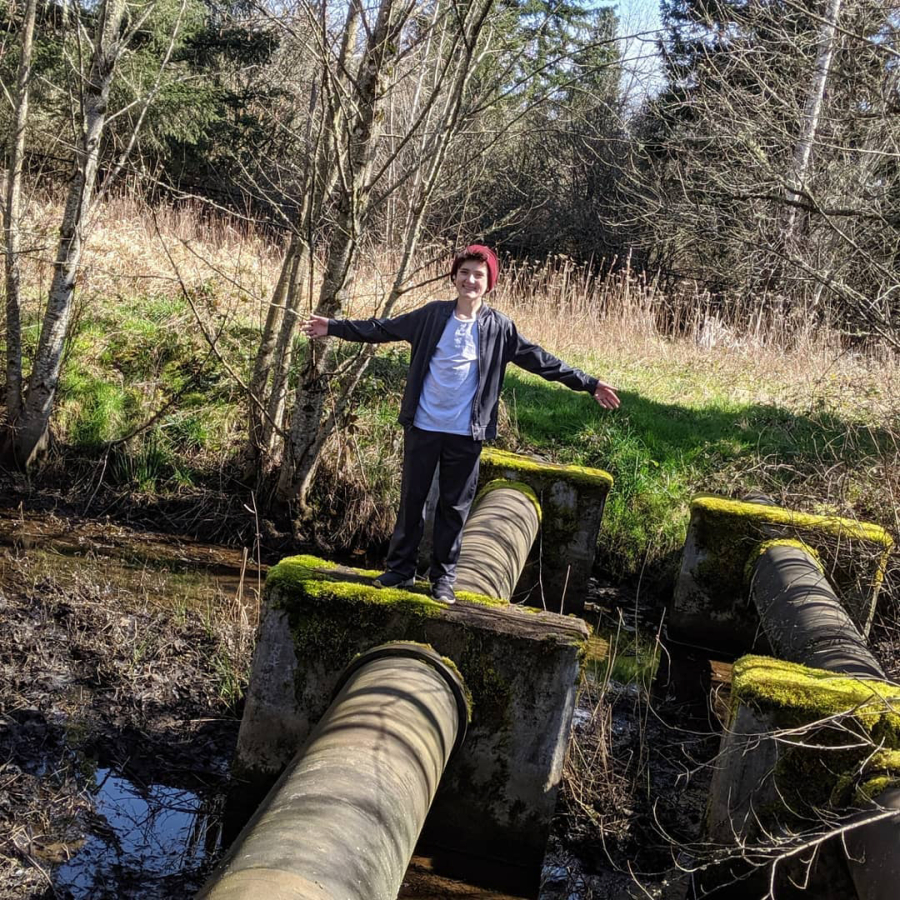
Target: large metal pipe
{"points": [[805, 623], [342, 821], [497, 539], [802, 616], [873, 851]]}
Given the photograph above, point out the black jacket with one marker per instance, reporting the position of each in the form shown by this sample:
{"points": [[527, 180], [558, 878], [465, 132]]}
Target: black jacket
{"points": [[499, 343]]}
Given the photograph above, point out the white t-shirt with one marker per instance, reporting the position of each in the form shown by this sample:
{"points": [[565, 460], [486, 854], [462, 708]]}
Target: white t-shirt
{"points": [[449, 388]]}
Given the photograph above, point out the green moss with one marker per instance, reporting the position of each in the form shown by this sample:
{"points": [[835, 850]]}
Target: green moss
{"points": [[760, 549], [320, 579], [623, 657], [832, 730], [878, 773], [505, 483], [773, 684], [777, 515], [491, 692], [580, 475], [872, 788]]}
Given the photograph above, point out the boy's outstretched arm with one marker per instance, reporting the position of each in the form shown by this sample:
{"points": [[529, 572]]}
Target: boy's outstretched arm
{"points": [[368, 331], [536, 359]]}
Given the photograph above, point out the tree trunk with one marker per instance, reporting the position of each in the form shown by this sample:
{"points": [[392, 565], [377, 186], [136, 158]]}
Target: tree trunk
{"points": [[260, 379], [307, 433], [35, 418], [11, 222], [284, 349], [811, 117]]}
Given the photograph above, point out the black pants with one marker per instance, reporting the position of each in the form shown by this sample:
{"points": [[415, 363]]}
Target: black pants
{"points": [[459, 456]]}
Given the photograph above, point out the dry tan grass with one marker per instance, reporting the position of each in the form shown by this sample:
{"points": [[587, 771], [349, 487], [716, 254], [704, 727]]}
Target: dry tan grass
{"points": [[133, 249], [609, 315]]}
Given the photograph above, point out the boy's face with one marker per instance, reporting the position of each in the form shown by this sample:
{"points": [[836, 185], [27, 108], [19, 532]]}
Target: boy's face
{"points": [[471, 280]]}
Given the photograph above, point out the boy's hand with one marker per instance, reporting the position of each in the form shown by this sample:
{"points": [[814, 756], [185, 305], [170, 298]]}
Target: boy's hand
{"points": [[315, 327], [606, 396]]}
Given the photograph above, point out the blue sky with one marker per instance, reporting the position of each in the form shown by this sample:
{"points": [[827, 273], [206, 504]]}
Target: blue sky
{"points": [[643, 68]]}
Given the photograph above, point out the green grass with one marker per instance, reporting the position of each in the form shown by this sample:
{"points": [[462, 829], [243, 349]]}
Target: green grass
{"points": [[123, 364], [700, 422], [678, 433]]}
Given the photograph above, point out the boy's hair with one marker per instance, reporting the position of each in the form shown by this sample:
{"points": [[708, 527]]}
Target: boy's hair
{"points": [[478, 253]]}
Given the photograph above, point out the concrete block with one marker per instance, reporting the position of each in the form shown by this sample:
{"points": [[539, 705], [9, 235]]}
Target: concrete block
{"points": [[711, 606], [572, 500], [800, 745], [497, 795]]}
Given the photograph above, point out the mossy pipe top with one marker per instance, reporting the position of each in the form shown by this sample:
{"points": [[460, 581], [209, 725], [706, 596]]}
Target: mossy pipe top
{"points": [[583, 476], [320, 580], [809, 695], [778, 515]]}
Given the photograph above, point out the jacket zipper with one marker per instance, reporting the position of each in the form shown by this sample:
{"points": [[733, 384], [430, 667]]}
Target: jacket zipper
{"points": [[478, 387]]}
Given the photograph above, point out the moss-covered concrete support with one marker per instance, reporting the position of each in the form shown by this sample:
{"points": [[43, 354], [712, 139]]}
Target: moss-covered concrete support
{"points": [[572, 500], [343, 820], [710, 607], [497, 538], [521, 667], [801, 749]]}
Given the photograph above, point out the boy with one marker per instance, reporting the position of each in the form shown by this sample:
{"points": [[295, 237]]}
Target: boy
{"points": [[459, 352]]}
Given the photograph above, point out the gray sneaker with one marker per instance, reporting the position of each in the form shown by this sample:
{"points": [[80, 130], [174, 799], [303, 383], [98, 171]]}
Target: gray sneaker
{"points": [[442, 591], [393, 580]]}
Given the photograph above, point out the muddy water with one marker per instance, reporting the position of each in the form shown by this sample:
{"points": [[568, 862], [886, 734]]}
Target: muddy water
{"points": [[146, 833]]}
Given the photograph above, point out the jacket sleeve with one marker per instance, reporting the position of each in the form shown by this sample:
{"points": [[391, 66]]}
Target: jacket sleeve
{"points": [[535, 359], [375, 330]]}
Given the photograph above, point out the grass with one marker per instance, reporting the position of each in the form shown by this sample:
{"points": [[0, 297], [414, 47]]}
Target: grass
{"points": [[728, 402], [675, 435]]}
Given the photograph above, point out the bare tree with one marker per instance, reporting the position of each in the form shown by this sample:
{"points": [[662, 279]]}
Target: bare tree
{"points": [[12, 213], [115, 30], [769, 169]]}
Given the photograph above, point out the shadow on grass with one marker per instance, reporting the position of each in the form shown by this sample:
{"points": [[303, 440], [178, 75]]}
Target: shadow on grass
{"points": [[662, 453]]}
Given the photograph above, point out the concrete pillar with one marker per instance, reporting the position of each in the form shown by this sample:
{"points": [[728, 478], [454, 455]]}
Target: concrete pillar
{"points": [[342, 821], [572, 499], [710, 607], [496, 798], [497, 539]]}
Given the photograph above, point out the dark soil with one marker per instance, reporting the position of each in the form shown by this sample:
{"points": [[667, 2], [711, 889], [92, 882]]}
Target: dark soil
{"points": [[111, 705]]}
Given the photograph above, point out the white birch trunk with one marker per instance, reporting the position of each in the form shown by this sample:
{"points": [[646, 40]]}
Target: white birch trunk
{"points": [[35, 418], [12, 213], [811, 117]]}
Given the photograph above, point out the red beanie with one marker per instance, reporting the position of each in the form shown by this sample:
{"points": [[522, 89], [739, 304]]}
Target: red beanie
{"points": [[480, 253]]}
